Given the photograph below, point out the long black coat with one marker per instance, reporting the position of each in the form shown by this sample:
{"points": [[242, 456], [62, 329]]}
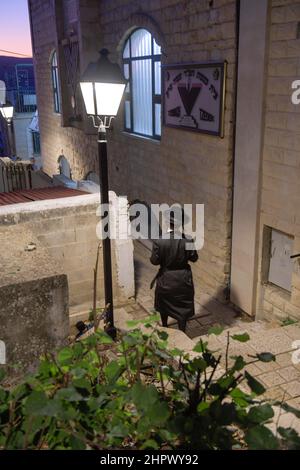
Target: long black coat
{"points": [[174, 293]]}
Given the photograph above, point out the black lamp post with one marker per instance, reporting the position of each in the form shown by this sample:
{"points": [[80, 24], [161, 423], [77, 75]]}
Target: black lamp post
{"points": [[102, 87]]}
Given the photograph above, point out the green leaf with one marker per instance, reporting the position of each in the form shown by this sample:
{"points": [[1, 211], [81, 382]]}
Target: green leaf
{"points": [[290, 409], [239, 363], [35, 402], [158, 413], [38, 404], [240, 397], [150, 444], [76, 443], [291, 437], [65, 356], [143, 396], [163, 335], [243, 338], [261, 438], [119, 430], [2, 374], [112, 371], [197, 364], [255, 386], [68, 394], [216, 330], [104, 338], [132, 323], [176, 352], [201, 347], [202, 407], [260, 414], [266, 357], [82, 384]]}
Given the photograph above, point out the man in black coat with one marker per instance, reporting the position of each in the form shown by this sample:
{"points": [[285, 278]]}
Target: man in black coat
{"points": [[174, 293]]}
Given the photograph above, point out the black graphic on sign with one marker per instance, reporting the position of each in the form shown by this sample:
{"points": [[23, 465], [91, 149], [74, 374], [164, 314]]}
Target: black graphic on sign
{"points": [[175, 111], [213, 92], [202, 78], [205, 116], [216, 74], [189, 96]]}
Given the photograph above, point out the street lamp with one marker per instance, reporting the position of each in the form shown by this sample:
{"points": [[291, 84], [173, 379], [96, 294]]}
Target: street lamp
{"points": [[7, 112], [102, 86]]}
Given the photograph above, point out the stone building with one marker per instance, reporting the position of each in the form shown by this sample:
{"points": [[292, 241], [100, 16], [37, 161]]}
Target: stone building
{"points": [[247, 179]]}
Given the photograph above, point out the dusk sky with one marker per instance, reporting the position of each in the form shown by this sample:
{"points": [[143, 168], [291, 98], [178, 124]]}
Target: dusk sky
{"points": [[14, 27]]}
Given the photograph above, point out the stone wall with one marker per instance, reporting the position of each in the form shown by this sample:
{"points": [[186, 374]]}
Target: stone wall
{"points": [[184, 167], [67, 229], [281, 153], [33, 299]]}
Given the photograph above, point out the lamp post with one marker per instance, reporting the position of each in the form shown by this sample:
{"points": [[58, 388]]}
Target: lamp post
{"points": [[7, 112], [102, 86]]}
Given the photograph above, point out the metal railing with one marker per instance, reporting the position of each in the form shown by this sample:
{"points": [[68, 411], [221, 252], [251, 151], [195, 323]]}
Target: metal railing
{"points": [[14, 176], [24, 100]]}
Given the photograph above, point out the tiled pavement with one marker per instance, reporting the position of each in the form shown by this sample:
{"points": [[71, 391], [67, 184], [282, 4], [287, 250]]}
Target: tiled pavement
{"points": [[280, 378]]}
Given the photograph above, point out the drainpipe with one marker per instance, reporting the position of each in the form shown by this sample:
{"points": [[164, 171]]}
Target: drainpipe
{"points": [[237, 35]]}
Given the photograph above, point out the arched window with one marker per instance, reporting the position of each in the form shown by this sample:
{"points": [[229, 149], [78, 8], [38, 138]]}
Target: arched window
{"points": [[142, 67], [55, 83], [64, 167]]}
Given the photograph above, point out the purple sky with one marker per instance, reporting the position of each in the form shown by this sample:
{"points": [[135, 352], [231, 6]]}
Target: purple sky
{"points": [[14, 27]]}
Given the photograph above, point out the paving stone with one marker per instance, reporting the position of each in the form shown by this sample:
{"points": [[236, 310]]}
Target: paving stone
{"points": [[271, 379], [284, 359], [289, 373], [293, 331], [274, 393], [293, 388], [253, 370], [294, 402]]}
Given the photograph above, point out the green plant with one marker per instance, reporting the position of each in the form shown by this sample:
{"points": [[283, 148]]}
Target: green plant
{"points": [[288, 321], [136, 393]]}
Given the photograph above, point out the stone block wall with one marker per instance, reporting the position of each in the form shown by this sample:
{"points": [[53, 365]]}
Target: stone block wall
{"points": [[33, 300], [67, 229], [280, 194]]}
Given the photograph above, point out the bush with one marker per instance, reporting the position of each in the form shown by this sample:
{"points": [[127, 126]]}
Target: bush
{"points": [[136, 393]]}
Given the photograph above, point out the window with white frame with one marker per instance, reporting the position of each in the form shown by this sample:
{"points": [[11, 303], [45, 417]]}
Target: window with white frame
{"points": [[142, 68], [55, 83]]}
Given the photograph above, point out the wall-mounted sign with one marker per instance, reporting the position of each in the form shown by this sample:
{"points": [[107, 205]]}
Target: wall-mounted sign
{"points": [[194, 97]]}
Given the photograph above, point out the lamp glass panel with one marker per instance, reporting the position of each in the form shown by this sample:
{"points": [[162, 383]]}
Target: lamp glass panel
{"points": [[108, 98], [88, 97], [7, 112]]}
